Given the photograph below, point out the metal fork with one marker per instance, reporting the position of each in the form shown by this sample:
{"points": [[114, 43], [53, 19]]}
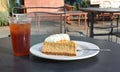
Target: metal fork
{"points": [[93, 49]]}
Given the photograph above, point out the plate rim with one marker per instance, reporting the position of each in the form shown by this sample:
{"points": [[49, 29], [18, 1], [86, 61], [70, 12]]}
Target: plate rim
{"points": [[63, 59]]}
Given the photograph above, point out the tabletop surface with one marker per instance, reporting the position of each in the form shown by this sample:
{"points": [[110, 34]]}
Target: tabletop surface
{"points": [[103, 62], [116, 10]]}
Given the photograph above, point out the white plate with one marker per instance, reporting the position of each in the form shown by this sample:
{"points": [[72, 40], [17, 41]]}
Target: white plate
{"points": [[82, 54]]}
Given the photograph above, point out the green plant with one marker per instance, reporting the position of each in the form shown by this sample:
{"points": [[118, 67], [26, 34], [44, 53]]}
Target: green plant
{"points": [[5, 10], [4, 18], [85, 3], [4, 13]]}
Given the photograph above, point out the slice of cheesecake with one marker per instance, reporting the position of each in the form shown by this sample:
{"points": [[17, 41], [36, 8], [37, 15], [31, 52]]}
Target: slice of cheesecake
{"points": [[59, 44]]}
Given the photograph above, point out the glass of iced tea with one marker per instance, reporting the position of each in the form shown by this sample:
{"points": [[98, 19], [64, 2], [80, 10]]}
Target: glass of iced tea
{"points": [[20, 35]]}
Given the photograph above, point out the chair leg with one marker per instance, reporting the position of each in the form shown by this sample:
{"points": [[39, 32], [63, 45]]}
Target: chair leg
{"points": [[108, 37], [68, 20], [38, 24], [85, 17], [87, 33], [85, 26], [79, 20], [116, 39]]}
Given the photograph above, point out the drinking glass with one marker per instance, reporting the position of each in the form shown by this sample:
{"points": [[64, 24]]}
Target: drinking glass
{"points": [[20, 35]]}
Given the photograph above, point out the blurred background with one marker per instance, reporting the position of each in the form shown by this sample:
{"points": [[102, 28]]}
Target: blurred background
{"points": [[7, 5]]}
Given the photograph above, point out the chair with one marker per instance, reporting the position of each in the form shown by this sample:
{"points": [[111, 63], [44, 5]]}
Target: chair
{"points": [[80, 15], [110, 27], [68, 8], [117, 31], [46, 9]]}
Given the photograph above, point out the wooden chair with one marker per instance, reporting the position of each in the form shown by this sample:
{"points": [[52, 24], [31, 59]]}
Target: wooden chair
{"points": [[81, 15], [44, 6]]}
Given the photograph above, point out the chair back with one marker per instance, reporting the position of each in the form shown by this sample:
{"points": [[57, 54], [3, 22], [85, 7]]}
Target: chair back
{"points": [[47, 4]]}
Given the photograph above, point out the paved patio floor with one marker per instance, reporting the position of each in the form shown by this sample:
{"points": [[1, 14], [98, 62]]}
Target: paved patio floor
{"points": [[55, 28]]}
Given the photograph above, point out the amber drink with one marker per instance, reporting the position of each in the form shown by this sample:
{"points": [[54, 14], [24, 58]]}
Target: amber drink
{"points": [[20, 36]]}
